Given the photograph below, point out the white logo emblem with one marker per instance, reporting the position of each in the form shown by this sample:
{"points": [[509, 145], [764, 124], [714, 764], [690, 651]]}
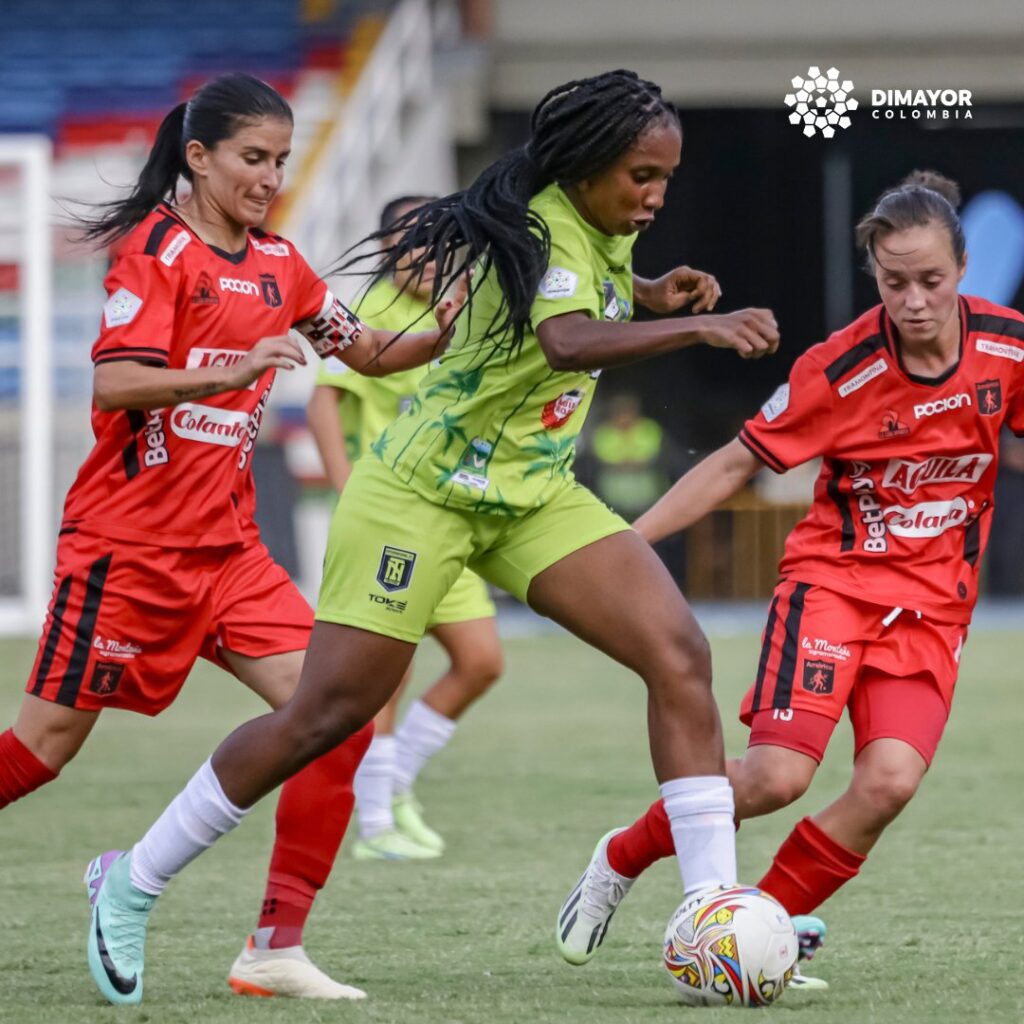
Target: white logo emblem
{"points": [[879, 366], [928, 519], [777, 404], [233, 284], [825, 649], [115, 648], [208, 424], [558, 283], [941, 405], [997, 348], [821, 102], [270, 248], [940, 469], [173, 251], [120, 308]]}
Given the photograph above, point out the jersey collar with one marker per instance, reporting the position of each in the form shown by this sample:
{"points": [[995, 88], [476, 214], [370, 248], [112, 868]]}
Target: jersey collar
{"points": [[888, 329], [232, 257]]}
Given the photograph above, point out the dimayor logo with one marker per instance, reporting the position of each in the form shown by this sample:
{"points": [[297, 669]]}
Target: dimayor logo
{"points": [[820, 102]]}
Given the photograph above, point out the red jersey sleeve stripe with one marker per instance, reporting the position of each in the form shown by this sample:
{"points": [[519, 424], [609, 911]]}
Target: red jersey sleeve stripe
{"points": [[133, 352], [1004, 327], [759, 451]]}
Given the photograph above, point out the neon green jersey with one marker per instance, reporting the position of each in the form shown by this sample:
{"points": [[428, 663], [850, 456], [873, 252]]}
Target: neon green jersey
{"points": [[371, 403], [497, 434]]}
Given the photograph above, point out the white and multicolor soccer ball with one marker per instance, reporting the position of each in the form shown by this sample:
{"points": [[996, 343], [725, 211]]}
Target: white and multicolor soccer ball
{"points": [[730, 946]]}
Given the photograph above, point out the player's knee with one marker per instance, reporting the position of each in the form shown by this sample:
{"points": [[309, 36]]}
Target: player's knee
{"points": [[769, 791], [682, 660], [311, 735], [886, 791], [479, 670]]}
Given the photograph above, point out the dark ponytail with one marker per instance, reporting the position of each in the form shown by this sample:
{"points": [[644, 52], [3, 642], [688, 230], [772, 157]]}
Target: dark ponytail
{"points": [[577, 130], [216, 112], [923, 197]]}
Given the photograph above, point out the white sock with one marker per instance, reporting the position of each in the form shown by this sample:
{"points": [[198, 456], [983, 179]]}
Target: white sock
{"points": [[421, 735], [700, 811], [198, 816], [372, 785]]}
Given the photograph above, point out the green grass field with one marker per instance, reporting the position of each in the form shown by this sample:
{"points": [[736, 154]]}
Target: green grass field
{"points": [[932, 931]]}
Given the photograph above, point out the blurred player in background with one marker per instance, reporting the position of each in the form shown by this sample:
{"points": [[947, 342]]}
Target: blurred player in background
{"points": [[159, 560], [878, 582], [477, 471], [347, 413]]}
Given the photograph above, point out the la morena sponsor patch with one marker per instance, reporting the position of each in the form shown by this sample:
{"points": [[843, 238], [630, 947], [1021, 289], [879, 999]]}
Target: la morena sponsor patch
{"points": [[396, 567]]}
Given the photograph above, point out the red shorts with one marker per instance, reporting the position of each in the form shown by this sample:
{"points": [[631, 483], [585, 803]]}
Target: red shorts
{"points": [[822, 652], [127, 621]]}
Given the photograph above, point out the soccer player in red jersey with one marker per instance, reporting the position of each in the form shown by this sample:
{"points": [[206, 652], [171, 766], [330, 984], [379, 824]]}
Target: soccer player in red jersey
{"points": [[878, 582], [159, 560]]}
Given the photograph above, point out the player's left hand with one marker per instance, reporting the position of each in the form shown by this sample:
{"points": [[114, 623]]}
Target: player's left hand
{"points": [[682, 287], [448, 308]]}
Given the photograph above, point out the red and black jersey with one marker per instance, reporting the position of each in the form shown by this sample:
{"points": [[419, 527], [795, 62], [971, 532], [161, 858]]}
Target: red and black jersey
{"points": [[903, 504], [181, 476]]}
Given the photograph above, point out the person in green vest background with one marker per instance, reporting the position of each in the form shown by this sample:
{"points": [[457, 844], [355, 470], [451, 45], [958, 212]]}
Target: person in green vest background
{"points": [[347, 413]]}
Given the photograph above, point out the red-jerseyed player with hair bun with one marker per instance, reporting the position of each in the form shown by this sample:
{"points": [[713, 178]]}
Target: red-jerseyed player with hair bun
{"points": [[878, 582], [159, 560]]}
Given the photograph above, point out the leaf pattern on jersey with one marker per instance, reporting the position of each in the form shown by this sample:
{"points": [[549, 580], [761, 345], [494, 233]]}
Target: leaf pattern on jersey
{"points": [[496, 506], [553, 455], [379, 447], [459, 383], [448, 424]]}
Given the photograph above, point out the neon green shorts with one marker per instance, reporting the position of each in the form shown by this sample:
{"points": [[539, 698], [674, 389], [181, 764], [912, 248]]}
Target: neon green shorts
{"points": [[467, 600], [392, 556]]}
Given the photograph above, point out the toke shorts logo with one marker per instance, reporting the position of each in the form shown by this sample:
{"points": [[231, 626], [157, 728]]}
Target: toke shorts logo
{"points": [[820, 102], [396, 566], [819, 676]]}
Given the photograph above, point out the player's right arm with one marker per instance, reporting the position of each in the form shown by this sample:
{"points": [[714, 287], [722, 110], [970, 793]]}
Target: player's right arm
{"points": [[127, 384], [711, 482], [325, 424]]}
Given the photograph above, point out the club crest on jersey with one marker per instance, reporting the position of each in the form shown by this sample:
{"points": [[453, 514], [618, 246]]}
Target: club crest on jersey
{"points": [[892, 426], [396, 566], [990, 396], [557, 412], [205, 293], [271, 293], [819, 676]]}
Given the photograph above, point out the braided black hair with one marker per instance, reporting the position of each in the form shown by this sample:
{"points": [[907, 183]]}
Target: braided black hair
{"points": [[577, 130], [217, 111]]}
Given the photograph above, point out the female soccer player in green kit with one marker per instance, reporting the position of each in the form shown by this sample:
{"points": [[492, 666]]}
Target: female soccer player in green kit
{"points": [[477, 472], [391, 824]]}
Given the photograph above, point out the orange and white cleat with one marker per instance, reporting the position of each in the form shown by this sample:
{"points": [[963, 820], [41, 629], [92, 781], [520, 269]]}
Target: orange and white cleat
{"points": [[284, 972]]}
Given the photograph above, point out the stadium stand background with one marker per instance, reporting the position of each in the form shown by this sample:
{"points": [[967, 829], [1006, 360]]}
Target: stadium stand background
{"points": [[767, 210]]}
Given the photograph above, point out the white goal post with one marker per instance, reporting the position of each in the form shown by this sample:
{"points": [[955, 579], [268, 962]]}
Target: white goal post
{"points": [[26, 383]]}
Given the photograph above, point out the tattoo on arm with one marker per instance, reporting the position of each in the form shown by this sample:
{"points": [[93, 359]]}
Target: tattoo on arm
{"points": [[198, 391]]}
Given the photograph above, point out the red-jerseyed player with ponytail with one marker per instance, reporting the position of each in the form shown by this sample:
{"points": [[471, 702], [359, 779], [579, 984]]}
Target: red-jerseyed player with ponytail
{"points": [[159, 560], [879, 581]]}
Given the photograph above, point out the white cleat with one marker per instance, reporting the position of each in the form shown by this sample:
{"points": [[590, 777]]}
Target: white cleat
{"points": [[284, 972], [587, 911]]}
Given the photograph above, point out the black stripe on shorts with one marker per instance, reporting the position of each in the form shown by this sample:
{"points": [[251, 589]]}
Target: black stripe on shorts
{"points": [[766, 650], [53, 636], [72, 681], [787, 663]]}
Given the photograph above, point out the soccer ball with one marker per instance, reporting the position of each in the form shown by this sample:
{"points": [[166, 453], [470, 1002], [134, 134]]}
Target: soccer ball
{"points": [[730, 946]]}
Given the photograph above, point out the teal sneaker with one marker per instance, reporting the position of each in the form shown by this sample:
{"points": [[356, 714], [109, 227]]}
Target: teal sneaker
{"points": [[810, 932], [117, 932], [408, 814]]}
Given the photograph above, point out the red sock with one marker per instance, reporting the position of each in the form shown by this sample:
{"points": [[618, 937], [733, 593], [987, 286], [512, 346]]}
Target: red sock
{"points": [[648, 839], [20, 770], [313, 812], [809, 867]]}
